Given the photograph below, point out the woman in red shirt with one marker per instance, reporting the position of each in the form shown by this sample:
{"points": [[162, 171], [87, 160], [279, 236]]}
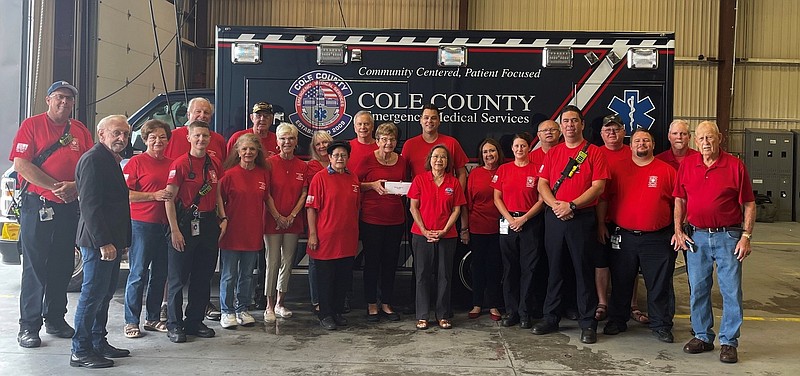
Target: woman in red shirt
{"points": [[382, 222], [146, 176], [480, 229], [289, 186], [244, 190], [521, 227], [319, 161], [436, 200], [333, 200]]}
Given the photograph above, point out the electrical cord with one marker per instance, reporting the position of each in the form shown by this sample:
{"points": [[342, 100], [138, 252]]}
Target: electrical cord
{"points": [[160, 62], [341, 13]]}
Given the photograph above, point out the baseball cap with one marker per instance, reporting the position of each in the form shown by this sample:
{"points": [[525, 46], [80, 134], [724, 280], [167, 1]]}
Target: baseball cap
{"points": [[263, 106], [62, 84], [609, 119]]}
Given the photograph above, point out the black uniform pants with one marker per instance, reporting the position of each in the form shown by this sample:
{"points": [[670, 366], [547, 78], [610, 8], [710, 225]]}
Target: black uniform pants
{"points": [[578, 234], [521, 254], [652, 252], [195, 266], [334, 278]]}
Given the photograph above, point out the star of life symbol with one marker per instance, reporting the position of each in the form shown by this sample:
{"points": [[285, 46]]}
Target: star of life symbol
{"points": [[633, 111]]}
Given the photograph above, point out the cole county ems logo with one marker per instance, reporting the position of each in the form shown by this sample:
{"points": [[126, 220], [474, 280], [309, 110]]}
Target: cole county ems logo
{"points": [[633, 111], [320, 103]]}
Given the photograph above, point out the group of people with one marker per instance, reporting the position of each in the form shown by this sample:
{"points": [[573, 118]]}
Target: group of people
{"points": [[548, 230]]}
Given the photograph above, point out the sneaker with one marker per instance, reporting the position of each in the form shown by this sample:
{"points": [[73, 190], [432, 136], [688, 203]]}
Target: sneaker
{"points": [[212, 312], [283, 312], [162, 316], [269, 316], [228, 321], [245, 319]]}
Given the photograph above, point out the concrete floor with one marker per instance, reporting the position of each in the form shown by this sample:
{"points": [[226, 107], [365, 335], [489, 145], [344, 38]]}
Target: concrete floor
{"points": [[473, 347]]}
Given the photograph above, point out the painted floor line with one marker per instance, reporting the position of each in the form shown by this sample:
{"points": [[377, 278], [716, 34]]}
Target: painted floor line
{"points": [[777, 243], [754, 318]]}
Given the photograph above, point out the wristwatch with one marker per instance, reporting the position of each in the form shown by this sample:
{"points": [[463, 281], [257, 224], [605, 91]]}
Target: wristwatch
{"points": [[747, 235], [572, 206]]}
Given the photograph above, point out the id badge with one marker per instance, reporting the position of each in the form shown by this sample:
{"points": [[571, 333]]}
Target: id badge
{"points": [[195, 225], [46, 214], [615, 240], [503, 226]]}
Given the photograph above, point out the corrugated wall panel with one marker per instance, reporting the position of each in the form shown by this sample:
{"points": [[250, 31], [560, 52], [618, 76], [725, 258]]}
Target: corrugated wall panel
{"points": [[769, 29], [125, 47]]}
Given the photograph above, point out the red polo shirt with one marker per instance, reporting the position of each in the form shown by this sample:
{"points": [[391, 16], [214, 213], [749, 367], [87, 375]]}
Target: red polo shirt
{"points": [[382, 209], [483, 215], [669, 157], [178, 144], [518, 186], [36, 134], [641, 198], [336, 198], [143, 173], [287, 179], [188, 187], [245, 193], [358, 154], [436, 203], [592, 169], [416, 149], [714, 194], [269, 142]]}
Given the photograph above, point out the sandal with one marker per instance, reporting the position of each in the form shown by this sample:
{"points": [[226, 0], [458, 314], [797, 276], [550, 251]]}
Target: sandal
{"points": [[155, 326], [422, 324], [639, 316], [601, 312], [132, 331], [445, 324]]}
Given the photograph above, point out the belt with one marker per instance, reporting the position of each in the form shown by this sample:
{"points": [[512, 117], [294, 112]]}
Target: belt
{"points": [[640, 232], [712, 230], [207, 214], [516, 214]]}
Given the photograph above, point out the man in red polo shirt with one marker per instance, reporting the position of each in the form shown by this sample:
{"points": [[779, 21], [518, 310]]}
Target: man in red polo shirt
{"points": [[679, 144], [416, 149], [713, 193], [639, 201], [570, 219], [613, 133], [49, 214], [364, 144], [199, 109], [262, 117]]}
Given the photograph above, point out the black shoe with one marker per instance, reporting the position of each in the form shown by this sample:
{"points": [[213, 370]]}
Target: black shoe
{"points": [[544, 327], [346, 305], [90, 360], [59, 328], [28, 338], [392, 316], [510, 319], [373, 317], [108, 351], [176, 335], [212, 312], [588, 335], [339, 320], [525, 322], [201, 331], [664, 335], [613, 328], [328, 323]]}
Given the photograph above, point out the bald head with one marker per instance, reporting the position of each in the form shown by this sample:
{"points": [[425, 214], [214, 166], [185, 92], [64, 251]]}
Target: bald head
{"points": [[678, 136], [548, 133], [707, 139]]}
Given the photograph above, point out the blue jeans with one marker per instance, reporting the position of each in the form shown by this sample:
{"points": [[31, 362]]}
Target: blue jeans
{"points": [[236, 280], [716, 247], [148, 251], [91, 315]]}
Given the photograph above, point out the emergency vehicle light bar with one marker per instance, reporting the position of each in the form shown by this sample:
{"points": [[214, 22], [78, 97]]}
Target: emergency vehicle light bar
{"points": [[332, 54], [643, 58], [452, 56], [246, 53], [557, 57]]}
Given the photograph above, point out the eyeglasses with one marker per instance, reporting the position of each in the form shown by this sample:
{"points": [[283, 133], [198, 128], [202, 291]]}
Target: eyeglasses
{"points": [[117, 133], [386, 139], [611, 130], [339, 156], [549, 130], [59, 97]]}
